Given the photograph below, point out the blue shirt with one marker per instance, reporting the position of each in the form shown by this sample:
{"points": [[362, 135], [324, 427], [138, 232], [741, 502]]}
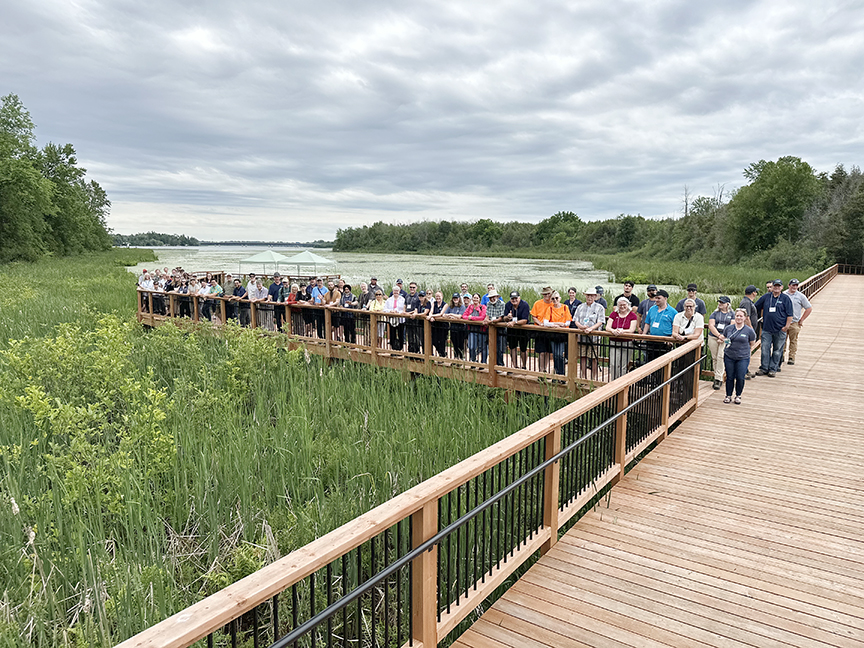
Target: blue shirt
{"points": [[739, 342], [660, 322], [774, 311], [318, 294]]}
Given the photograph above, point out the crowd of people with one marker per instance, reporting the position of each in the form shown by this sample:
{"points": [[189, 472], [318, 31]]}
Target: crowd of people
{"points": [[465, 317]]}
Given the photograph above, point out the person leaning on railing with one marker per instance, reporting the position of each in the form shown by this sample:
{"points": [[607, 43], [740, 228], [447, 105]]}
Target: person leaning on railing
{"points": [[349, 326], [478, 340], [540, 312], [495, 307], [589, 317], [559, 317], [439, 329], [658, 322], [396, 304], [622, 320], [377, 306], [517, 313], [688, 325]]}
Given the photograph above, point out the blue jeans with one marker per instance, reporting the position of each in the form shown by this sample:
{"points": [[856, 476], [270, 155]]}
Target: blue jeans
{"points": [[477, 345], [736, 372], [558, 347], [770, 360]]}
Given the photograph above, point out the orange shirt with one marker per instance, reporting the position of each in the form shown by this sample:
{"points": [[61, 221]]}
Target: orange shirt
{"points": [[541, 311], [560, 314]]}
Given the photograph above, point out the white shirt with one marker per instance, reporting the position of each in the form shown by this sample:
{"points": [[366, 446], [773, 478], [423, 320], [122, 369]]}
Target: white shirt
{"points": [[686, 325]]}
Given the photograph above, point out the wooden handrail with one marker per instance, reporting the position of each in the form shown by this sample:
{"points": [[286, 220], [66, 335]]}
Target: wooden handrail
{"points": [[212, 613]]}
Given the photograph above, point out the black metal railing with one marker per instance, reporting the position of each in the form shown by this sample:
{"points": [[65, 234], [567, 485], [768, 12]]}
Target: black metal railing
{"points": [[363, 597]]}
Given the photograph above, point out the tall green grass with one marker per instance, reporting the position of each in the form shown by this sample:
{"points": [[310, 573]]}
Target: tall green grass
{"points": [[143, 470]]}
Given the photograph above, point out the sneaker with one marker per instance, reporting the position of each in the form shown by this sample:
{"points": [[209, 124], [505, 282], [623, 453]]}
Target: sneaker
{"points": [[718, 384], [791, 362], [762, 372], [771, 374]]}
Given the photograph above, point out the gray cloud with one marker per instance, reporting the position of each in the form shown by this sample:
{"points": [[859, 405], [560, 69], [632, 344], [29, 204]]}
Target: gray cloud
{"points": [[213, 119]]}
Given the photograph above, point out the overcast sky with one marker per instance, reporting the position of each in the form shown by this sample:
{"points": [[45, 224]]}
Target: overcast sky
{"points": [[287, 120]]}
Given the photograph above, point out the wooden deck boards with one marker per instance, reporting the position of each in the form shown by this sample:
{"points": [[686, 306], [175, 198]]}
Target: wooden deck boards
{"points": [[744, 528]]}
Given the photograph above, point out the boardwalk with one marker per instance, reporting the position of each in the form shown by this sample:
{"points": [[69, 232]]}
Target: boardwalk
{"points": [[745, 527]]}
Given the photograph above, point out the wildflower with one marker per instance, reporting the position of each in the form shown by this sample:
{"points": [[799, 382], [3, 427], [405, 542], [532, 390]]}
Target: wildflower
{"points": [[306, 355], [15, 509]]}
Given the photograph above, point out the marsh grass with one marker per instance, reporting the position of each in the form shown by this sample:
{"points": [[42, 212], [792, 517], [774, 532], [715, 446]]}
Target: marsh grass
{"points": [[143, 470]]}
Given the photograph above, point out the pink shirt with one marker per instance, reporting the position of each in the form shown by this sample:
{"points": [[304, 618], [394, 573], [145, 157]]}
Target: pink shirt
{"points": [[476, 313]]}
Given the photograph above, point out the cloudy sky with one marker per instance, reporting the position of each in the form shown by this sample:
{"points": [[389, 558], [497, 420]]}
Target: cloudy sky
{"points": [[287, 120]]}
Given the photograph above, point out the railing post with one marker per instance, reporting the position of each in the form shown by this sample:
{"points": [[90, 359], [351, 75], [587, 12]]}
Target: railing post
{"points": [[287, 323], [696, 375], [195, 307], [622, 400], [328, 332], [253, 316], [572, 359], [373, 333], [427, 346], [551, 480], [424, 577], [140, 305], [492, 337], [150, 302], [664, 407], [222, 310]]}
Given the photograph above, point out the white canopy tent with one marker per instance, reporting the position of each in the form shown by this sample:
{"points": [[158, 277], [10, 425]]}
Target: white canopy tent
{"points": [[265, 257], [307, 258]]}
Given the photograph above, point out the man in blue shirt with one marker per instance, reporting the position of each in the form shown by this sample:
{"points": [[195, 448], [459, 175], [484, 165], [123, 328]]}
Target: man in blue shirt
{"points": [[777, 312], [658, 322]]}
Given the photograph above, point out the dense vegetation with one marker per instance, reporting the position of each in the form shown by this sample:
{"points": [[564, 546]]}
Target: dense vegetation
{"points": [[787, 217], [140, 471], [153, 239], [47, 206]]}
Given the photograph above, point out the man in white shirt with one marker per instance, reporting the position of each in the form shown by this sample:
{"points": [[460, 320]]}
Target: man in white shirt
{"points": [[801, 309]]}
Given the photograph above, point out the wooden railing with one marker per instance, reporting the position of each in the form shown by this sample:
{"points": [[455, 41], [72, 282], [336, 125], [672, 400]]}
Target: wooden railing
{"points": [[410, 570], [453, 348]]}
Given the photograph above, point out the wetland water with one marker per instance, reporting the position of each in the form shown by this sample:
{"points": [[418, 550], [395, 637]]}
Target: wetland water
{"points": [[426, 270]]}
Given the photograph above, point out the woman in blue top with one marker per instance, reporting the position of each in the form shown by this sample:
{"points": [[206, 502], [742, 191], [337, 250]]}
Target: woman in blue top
{"points": [[739, 341]]}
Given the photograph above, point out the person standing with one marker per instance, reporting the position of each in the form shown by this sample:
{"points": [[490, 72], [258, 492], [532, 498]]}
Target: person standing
{"points": [[589, 317], [801, 308], [622, 320], [600, 299], [320, 297], [658, 322], [717, 324], [645, 305], [495, 313], [484, 300], [396, 304], [541, 311], [739, 342], [748, 304], [628, 295], [691, 294], [274, 294], [517, 313], [777, 313], [413, 326]]}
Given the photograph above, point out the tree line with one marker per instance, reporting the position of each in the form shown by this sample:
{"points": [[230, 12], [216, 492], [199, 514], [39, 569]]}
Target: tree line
{"points": [[153, 239], [788, 215], [47, 206]]}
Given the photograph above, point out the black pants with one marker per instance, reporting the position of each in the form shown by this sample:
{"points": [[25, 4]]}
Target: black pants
{"points": [[439, 337], [397, 336], [458, 336], [350, 328], [185, 307], [280, 316], [414, 331], [319, 323]]}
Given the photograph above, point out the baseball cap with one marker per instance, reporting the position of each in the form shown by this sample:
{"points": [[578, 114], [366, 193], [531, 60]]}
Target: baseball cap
{"points": [[662, 293], [793, 282], [692, 286], [723, 299], [422, 293], [599, 289], [749, 290], [456, 295], [399, 281], [514, 295], [776, 282], [651, 287]]}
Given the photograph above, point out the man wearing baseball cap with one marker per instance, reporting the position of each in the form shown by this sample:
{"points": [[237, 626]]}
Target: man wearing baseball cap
{"points": [[777, 312], [645, 305], [691, 294], [801, 309], [659, 322]]}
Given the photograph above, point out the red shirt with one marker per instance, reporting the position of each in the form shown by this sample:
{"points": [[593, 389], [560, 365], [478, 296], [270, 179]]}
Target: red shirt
{"points": [[619, 322]]}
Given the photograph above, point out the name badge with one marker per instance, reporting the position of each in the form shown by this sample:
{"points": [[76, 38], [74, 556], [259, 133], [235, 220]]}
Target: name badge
{"points": [[656, 325], [772, 309]]}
